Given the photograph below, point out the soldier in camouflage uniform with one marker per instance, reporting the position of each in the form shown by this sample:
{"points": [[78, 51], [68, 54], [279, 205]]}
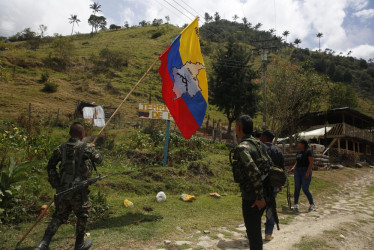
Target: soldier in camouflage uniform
{"points": [[248, 176], [77, 160]]}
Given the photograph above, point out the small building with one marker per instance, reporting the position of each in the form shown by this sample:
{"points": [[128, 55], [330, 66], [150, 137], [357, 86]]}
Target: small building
{"points": [[348, 133]]}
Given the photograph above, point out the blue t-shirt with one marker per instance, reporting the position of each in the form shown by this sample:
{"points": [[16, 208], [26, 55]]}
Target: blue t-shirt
{"points": [[302, 158]]}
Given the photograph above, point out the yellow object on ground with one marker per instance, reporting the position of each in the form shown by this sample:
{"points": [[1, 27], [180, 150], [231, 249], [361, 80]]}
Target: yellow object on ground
{"points": [[187, 197], [127, 203]]}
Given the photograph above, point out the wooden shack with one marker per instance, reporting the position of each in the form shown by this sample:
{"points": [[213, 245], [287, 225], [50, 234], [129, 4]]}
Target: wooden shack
{"points": [[350, 135]]}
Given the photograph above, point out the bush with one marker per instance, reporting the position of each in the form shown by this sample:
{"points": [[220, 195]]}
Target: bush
{"points": [[44, 77], [156, 34], [50, 87]]}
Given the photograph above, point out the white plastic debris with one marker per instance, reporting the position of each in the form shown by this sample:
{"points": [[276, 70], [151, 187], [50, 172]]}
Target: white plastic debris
{"points": [[161, 196]]}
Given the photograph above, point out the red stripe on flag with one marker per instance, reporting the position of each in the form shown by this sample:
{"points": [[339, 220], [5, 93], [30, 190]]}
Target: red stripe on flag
{"points": [[178, 108]]}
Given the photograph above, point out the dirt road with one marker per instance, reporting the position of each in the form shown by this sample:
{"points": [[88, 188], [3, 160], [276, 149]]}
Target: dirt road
{"points": [[341, 221]]}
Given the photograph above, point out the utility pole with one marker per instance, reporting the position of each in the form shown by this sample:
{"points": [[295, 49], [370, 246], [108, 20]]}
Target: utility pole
{"points": [[264, 59]]}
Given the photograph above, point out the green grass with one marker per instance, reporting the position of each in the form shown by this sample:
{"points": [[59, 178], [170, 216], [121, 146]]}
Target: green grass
{"points": [[309, 243]]}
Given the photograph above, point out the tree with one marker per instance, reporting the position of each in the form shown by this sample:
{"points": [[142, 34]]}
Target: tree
{"points": [[114, 27], [157, 22], [74, 20], [292, 90], [272, 31], [97, 22], [286, 33], [217, 17], [144, 23], [96, 8], [341, 95], [208, 18], [319, 36], [245, 21], [258, 26], [42, 29], [235, 17], [231, 88], [167, 18], [297, 42], [126, 25]]}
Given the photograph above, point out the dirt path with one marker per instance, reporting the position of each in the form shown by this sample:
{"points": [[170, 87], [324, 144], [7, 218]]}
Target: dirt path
{"points": [[342, 221]]}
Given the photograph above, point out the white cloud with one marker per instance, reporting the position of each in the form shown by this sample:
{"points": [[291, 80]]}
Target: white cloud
{"points": [[17, 15], [365, 51], [364, 14], [303, 18]]}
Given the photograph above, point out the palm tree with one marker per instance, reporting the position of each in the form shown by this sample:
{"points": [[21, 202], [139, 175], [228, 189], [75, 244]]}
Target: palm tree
{"points": [[74, 20], [297, 42], [235, 17], [42, 29], [319, 36], [95, 7], [272, 31], [285, 34]]}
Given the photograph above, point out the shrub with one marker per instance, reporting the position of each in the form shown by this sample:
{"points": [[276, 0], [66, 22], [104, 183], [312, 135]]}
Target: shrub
{"points": [[156, 34], [50, 87], [44, 77]]}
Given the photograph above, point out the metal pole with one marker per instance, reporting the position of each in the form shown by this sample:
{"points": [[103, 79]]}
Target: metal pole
{"points": [[166, 143], [264, 59]]}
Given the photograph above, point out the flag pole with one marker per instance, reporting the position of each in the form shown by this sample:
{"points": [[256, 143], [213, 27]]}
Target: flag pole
{"points": [[124, 100]]}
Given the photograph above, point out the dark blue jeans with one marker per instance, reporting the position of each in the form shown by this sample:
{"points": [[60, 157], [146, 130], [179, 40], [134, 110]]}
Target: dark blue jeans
{"points": [[269, 224], [301, 182]]}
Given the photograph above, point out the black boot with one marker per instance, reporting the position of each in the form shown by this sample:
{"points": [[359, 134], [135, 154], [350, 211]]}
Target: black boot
{"points": [[80, 244], [44, 244]]}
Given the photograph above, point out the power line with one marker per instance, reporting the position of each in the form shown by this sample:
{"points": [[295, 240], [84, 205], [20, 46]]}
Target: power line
{"points": [[178, 10], [184, 8], [192, 8], [171, 11]]}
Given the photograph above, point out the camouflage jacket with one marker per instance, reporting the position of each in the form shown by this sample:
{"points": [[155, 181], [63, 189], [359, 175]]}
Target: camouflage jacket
{"points": [[245, 154], [89, 156]]}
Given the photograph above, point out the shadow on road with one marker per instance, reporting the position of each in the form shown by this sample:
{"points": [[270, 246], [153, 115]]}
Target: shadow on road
{"points": [[233, 244]]}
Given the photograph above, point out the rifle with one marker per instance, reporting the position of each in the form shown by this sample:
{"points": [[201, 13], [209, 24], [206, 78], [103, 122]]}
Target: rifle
{"points": [[59, 196]]}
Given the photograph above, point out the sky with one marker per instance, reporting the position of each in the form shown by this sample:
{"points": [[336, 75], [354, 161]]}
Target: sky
{"points": [[347, 25]]}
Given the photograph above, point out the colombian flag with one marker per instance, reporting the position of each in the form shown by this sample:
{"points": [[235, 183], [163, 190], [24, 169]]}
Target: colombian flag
{"points": [[184, 82]]}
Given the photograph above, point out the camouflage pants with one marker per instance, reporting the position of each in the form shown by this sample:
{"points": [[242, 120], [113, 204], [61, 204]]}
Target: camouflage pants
{"points": [[77, 202]]}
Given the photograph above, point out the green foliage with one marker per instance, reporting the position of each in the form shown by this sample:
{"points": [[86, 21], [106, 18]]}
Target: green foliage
{"points": [[293, 90], [231, 88], [50, 87], [10, 175], [25, 35], [100, 207], [341, 95], [44, 77], [97, 22], [62, 52]]}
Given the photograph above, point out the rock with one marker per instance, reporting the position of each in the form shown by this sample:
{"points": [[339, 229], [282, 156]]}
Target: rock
{"points": [[337, 166], [167, 242], [206, 231], [182, 242], [342, 236], [88, 234], [180, 229], [358, 165]]}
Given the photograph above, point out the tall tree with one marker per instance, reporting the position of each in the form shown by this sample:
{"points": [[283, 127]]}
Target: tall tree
{"points": [[217, 17], [342, 95], [245, 21], [297, 42], [208, 18], [167, 18], [231, 88], [272, 31], [319, 36], [74, 20], [292, 90], [96, 8], [286, 33], [258, 26], [235, 17], [42, 29], [97, 22]]}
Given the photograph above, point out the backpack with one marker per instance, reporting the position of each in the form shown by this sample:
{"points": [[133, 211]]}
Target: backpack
{"points": [[71, 168], [272, 175]]}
